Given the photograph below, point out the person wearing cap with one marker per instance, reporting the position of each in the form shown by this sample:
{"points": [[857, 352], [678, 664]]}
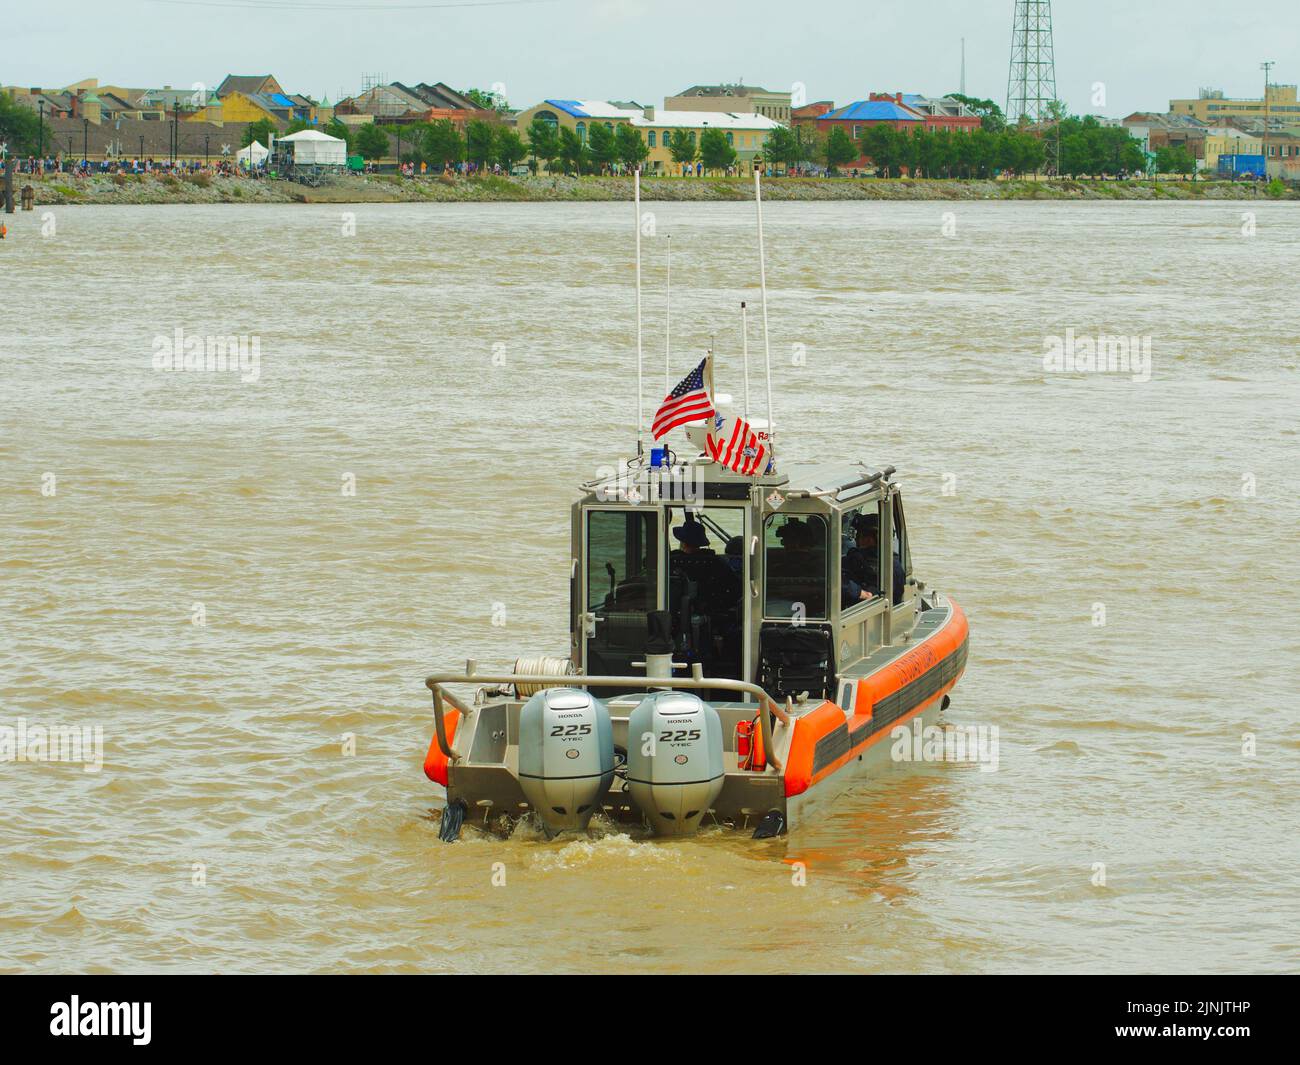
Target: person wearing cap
{"points": [[718, 585], [861, 567], [862, 563], [692, 537]]}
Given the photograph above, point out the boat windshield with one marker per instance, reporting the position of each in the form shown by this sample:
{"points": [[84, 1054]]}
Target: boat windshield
{"points": [[797, 567]]}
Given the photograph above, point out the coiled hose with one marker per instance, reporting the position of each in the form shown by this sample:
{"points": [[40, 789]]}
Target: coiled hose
{"points": [[542, 666]]}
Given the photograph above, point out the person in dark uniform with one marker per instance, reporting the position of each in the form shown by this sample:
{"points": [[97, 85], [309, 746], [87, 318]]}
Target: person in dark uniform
{"points": [[712, 627], [861, 566], [720, 585]]}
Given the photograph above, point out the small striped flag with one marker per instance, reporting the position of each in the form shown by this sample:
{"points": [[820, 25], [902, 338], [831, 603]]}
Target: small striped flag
{"points": [[738, 449], [688, 402]]}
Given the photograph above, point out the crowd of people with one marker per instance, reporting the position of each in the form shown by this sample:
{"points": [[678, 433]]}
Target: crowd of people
{"points": [[63, 164]]}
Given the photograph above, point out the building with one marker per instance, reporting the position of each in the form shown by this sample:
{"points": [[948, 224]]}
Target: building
{"points": [[1212, 106], [747, 133], [382, 103], [578, 115], [142, 139], [1228, 140], [249, 85], [239, 106], [1282, 156], [942, 112], [396, 103], [856, 118], [1156, 131], [443, 102], [805, 114], [733, 99]]}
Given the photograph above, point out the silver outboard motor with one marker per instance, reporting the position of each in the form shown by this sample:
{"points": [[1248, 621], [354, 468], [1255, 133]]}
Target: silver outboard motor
{"points": [[674, 760], [566, 756]]}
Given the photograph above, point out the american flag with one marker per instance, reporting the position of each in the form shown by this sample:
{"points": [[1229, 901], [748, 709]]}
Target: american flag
{"points": [[688, 402], [739, 449]]}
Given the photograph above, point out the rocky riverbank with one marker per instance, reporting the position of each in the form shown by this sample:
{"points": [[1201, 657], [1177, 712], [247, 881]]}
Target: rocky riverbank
{"points": [[62, 189]]}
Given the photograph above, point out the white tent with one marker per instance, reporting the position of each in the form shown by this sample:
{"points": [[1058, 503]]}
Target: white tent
{"points": [[254, 155], [312, 147]]}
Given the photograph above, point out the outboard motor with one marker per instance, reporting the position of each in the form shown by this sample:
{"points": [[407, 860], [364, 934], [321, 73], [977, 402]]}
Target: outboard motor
{"points": [[566, 756], [674, 760]]}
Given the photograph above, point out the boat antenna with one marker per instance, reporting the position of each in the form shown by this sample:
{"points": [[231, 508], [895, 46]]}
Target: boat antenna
{"points": [[668, 323], [640, 412], [744, 351], [762, 278]]}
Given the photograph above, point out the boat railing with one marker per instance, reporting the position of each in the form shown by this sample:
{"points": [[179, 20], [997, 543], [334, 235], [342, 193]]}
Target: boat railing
{"points": [[437, 684]]}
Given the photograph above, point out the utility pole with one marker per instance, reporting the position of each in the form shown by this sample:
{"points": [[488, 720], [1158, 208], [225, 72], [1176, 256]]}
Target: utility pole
{"points": [[85, 143], [1267, 68], [40, 129]]}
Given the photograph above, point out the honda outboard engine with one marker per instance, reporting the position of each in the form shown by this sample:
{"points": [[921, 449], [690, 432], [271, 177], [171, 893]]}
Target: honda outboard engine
{"points": [[566, 756], [674, 760]]}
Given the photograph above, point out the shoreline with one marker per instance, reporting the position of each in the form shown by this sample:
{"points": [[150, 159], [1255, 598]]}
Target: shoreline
{"points": [[66, 190]]}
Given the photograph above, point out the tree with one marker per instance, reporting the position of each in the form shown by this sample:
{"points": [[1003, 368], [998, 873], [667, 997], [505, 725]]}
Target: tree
{"points": [[839, 149], [715, 152], [681, 146], [573, 152], [782, 146], [992, 120], [1175, 160], [880, 143], [480, 138], [602, 145], [510, 148], [443, 143], [632, 149], [543, 141], [20, 128], [261, 131], [489, 101], [372, 142]]}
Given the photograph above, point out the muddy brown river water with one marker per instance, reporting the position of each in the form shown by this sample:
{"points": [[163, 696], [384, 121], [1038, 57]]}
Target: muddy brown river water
{"points": [[185, 567]]}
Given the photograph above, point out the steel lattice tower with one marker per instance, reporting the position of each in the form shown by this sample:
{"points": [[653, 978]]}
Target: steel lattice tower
{"points": [[1031, 83]]}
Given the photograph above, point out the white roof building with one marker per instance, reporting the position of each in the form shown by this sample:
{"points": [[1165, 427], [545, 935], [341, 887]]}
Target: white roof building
{"points": [[651, 118]]}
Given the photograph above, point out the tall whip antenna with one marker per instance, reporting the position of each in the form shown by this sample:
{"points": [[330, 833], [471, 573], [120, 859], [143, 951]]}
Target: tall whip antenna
{"points": [[762, 278], [668, 323], [640, 412], [744, 352]]}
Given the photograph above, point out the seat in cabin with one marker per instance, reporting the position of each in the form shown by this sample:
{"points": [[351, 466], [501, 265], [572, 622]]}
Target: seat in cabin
{"points": [[795, 659]]}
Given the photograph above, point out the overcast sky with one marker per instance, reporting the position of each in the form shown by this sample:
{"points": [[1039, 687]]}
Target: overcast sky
{"points": [[1144, 52]]}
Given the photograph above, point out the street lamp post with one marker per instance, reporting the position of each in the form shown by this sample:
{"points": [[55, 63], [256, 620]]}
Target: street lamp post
{"points": [[40, 129], [85, 143], [1267, 69]]}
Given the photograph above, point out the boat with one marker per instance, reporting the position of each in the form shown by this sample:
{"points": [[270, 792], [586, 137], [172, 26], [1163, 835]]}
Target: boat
{"points": [[745, 640]]}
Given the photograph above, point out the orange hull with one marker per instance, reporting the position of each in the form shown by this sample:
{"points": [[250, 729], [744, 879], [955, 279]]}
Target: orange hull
{"points": [[826, 739]]}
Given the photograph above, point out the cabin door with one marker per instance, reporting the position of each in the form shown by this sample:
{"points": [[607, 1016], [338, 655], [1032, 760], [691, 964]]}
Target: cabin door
{"points": [[622, 551], [708, 585]]}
